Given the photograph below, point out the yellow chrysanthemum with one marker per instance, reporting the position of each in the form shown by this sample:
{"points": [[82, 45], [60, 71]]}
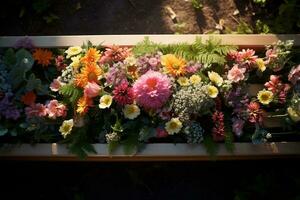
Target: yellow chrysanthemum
{"points": [[66, 127], [131, 111], [195, 79], [183, 81], [73, 51], [293, 114], [173, 126], [92, 56], [215, 78], [261, 64], [265, 97], [173, 65], [212, 91], [83, 105], [42, 56], [105, 101], [89, 73], [75, 61]]}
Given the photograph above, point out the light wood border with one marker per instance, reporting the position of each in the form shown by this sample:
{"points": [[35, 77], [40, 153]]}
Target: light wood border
{"points": [[156, 152], [128, 40]]}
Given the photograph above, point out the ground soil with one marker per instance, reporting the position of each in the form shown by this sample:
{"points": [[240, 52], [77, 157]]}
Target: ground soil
{"points": [[122, 17]]}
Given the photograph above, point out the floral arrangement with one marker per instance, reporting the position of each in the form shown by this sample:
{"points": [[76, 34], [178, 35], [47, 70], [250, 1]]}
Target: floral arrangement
{"points": [[196, 93]]}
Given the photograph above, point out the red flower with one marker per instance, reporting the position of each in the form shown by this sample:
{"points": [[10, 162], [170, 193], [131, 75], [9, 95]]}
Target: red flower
{"points": [[123, 94], [218, 130], [255, 113], [29, 98], [278, 88]]}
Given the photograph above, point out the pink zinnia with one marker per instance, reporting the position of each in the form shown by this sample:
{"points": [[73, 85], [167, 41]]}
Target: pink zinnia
{"points": [[152, 90], [246, 56], [55, 109], [123, 94], [36, 110], [91, 90], [59, 62], [278, 88], [236, 74], [294, 74], [255, 113]]}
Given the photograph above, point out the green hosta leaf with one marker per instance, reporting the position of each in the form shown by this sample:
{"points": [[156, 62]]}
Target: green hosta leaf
{"points": [[24, 63]]}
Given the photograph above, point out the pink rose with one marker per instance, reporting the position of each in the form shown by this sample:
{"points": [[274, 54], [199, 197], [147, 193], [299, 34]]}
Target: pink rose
{"points": [[91, 90], [236, 74], [55, 109], [55, 85]]}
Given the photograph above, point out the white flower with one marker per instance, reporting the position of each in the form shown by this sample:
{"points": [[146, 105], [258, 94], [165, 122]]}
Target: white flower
{"points": [[131, 111], [105, 101], [173, 126], [66, 127], [72, 51]]}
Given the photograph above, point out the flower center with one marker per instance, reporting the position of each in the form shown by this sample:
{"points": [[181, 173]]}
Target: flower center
{"points": [[151, 83], [92, 77]]}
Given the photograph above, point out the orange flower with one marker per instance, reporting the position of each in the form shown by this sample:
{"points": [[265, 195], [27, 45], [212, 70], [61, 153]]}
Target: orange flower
{"points": [[92, 56], [42, 56], [83, 105], [28, 98], [89, 73], [173, 65]]}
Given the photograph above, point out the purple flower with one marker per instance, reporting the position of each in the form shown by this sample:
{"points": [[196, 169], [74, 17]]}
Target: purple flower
{"points": [[237, 126], [116, 74], [25, 42], [148, 62], [7, 109], [193, 67]]}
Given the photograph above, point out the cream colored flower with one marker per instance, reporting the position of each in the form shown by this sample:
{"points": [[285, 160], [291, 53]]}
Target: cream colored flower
{"points": [[215, 78], [72, 51], [195, 79], [130, 61], [131, 111], [173, 126], [66, 127], [293, 114], [260, 64], [265, 97], [75, 61], [212, 91], [105, 101], [183, 81]]}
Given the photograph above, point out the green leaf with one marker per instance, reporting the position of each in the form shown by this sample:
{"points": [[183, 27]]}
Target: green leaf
{"points": [[33, 83], [112, 146], [130, 144], [211, 146], [10, 58]]}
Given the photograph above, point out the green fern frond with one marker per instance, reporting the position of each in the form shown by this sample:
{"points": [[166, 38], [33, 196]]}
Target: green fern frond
{"points": [[71, 92]]}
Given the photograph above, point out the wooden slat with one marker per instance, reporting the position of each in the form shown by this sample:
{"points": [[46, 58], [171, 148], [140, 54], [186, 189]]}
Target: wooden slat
{"points": [[70, 40], [157, 152]]}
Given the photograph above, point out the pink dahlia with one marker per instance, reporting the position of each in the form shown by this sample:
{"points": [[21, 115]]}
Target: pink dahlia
{"points": [[152, 90], [123, 94], [294, 74], [236, 74]]}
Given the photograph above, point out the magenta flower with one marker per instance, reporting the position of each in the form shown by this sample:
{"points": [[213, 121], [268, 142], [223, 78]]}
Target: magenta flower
{"points": [[236, 74], [161, 133], [278, 88], [237, 126], [55, 85], [152, 90], [123, 94]]}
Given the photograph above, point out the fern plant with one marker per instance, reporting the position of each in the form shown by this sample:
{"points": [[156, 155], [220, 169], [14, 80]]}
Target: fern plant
{"points": [[210, 52]]}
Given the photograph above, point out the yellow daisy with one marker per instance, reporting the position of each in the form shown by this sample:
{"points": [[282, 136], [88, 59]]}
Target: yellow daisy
{"points": [[215, 78], [265, 97], [195, 79], [173, 65], [183, 81], [72, 51], [293, 114], [212, 91], [261, 64]]}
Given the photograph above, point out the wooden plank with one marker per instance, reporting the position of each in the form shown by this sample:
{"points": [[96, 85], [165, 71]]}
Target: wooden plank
{"points": [[249, 40], [157, 152]]}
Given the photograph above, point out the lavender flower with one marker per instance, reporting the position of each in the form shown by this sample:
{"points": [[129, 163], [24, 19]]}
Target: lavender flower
{"points": [[116, 74], [25, 42], [193, 67], [237, 126], [148, 62], [7, 109]]}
